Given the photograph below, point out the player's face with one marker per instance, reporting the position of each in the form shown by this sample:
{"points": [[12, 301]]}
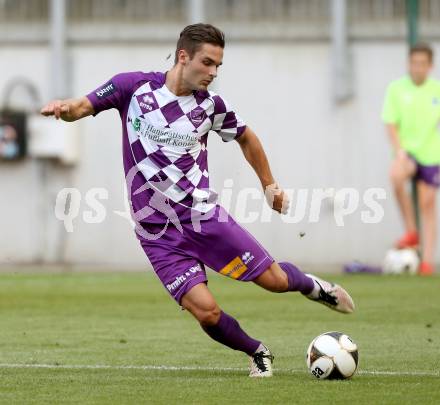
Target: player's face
{"points": [[419, 67], [201, 70]]}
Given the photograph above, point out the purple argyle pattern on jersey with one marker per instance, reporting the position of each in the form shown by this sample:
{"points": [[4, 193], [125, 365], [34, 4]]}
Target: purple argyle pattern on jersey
{"points": [[220, 106], [224, 121], [159, 158], [176, 179], [185, 164], [138, 150], [165, 139], [169, 144], [172, 112]]}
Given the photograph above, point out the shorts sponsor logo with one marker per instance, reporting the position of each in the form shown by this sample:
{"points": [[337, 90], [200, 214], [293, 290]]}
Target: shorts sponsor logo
{"points": [[234, 268], [179, 280], [106, 91], [247, 257]]}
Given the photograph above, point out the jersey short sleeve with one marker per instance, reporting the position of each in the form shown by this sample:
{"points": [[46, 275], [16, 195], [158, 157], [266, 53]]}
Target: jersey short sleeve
{"points": [[115, 93], [390, 113], [226, 122]]}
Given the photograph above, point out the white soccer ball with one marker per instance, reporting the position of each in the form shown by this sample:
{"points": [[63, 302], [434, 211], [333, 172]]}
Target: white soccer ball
{"points": [[332, 355], [401, 261]]}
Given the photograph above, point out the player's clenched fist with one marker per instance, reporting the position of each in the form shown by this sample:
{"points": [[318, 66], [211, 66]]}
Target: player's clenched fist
{"points": [[56, 108], [277, 198]]}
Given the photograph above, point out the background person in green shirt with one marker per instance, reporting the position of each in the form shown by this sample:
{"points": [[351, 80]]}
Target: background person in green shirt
{"points": [[411, 113]]}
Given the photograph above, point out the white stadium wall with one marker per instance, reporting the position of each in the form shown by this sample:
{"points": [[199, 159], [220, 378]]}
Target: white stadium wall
{"points": [[283, 91]]}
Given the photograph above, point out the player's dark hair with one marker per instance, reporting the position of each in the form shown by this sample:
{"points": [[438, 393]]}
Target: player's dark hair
{"points": [[194, 36], [422, 48]]}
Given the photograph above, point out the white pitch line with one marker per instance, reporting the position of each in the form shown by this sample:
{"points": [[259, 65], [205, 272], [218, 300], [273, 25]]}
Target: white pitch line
{"points": [[110, 367], [196, 368], [403, 373]]}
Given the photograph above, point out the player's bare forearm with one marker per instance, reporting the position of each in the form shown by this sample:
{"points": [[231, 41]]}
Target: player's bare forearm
{"points": [[254, 153], [394, 137], [68, 110]]}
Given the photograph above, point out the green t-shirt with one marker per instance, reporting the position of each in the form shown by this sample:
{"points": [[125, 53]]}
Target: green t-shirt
{"points": [[415, 110]]}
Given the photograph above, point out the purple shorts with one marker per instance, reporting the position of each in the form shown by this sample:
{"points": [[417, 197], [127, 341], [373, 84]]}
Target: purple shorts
{"points": [[179, 258], [427, 174]]}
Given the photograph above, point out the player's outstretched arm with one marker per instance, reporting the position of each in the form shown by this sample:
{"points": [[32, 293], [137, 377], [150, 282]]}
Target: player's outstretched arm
{"points": [[68, 110], [254, 153]]}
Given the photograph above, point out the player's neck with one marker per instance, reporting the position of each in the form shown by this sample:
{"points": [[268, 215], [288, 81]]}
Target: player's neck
{"points": [[419, 81], [174, 82]]}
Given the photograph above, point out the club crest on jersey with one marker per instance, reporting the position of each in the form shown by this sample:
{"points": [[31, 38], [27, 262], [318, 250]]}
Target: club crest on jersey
{"points": [[147, 102], [197, 116], [435, 101], [105, 91]]}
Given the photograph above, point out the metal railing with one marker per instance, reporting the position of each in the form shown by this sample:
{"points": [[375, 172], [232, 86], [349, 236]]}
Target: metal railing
{"points": [[285, 18], [20, 11], [262, 10], [126, 11], [375, 11]]}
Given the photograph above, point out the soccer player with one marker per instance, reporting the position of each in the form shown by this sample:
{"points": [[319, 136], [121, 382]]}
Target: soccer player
{"points": [[166, 118], [411, 113]]}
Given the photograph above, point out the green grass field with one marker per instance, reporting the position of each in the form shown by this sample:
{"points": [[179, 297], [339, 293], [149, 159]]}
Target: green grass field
{"points": [[118, 338]]}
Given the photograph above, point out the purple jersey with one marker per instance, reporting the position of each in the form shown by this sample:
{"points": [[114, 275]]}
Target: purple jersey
{"points": [[164, 143]]}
